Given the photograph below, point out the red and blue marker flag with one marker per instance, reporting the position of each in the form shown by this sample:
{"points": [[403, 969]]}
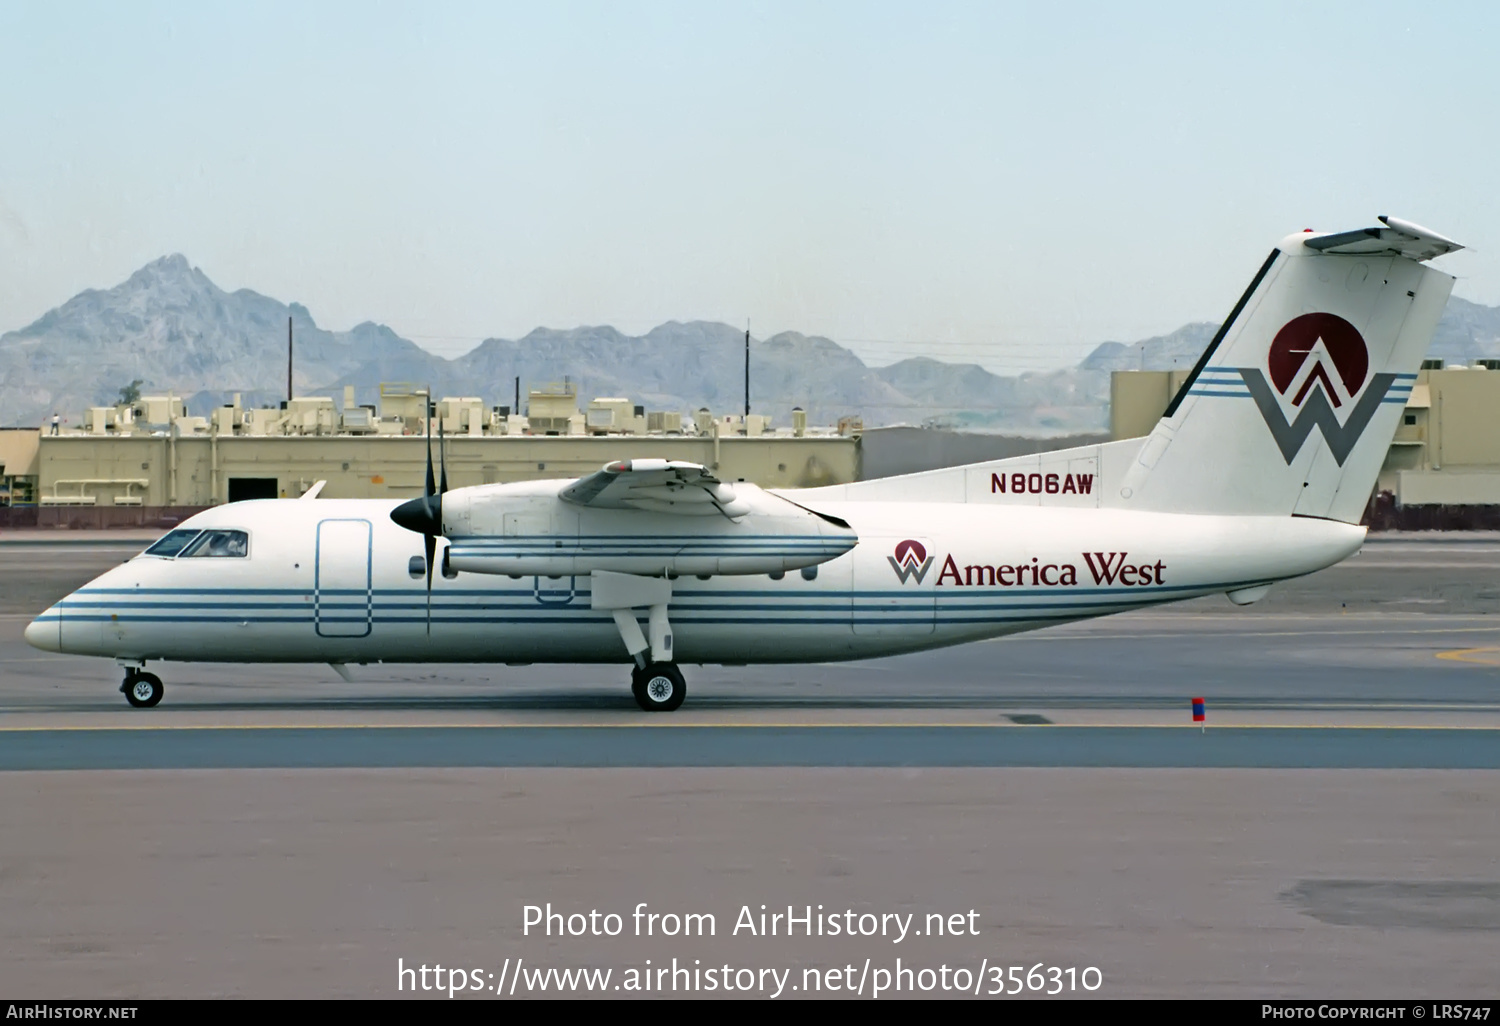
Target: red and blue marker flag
{"points": [[1198, 713]]}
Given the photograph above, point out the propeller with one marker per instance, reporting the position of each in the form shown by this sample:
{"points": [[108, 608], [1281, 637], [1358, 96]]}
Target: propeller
{"points": [[424, 516]]}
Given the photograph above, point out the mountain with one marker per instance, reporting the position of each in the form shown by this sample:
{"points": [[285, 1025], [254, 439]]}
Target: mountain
{"points": [[1467, 332], [968, 397], [173, 328], [1177, 351]]}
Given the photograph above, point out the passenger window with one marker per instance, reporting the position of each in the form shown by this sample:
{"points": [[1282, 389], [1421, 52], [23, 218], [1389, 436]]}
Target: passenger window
{"points": [[219, 543], [172, 542]]}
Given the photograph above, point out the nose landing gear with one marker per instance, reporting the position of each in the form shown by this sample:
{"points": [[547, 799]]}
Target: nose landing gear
{"points": [[142, 689]]}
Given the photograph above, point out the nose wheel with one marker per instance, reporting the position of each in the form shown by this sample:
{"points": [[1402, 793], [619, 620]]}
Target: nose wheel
{"points": [[142, 689], [658, 687]]}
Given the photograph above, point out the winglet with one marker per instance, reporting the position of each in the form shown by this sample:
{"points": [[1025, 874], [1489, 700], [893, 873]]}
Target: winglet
{"points": [[312, 493]]}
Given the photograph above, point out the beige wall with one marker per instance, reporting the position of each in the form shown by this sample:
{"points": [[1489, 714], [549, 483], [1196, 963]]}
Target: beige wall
{"points": [[1137, 400], [1454, 431], [18, 451], [393, 466], [1464, 416], [1448, 488], [1450, 452]]}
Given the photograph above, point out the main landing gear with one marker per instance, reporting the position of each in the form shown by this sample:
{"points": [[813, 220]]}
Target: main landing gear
{"points": [[141, 689], [656, 682], [658, 687]]}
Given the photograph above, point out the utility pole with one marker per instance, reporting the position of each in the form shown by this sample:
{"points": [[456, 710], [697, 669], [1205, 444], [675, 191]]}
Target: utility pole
{"points": [[171, 451], [517, 410], [747, 376], [289, 361]]}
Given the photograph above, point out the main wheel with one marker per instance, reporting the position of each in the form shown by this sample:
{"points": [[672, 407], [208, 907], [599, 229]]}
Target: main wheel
{"points": [[659, 687], [143, 690]]}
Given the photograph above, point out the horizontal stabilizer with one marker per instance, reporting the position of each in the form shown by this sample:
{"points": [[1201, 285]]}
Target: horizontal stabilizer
{"points": [[1397, 238]]}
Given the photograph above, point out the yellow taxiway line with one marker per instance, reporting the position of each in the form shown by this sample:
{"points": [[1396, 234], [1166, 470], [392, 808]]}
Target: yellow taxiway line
{"points": [[1467, 655]]}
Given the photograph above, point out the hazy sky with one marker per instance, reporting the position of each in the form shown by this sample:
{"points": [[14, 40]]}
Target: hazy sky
{"points": [[1007, 185]]}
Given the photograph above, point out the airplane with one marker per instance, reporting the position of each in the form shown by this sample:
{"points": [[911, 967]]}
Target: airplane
{"points": [[1258, 471]]}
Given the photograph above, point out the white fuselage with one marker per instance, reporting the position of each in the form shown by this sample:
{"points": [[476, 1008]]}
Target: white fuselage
{"points": [[330, 580]]}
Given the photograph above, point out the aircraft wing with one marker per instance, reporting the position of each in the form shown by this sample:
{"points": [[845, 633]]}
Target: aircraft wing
{"points": [[657, 485]]}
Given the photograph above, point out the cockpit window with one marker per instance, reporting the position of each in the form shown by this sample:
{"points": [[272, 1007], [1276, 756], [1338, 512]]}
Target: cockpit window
{"points": [[172, 542], [218, 543]]}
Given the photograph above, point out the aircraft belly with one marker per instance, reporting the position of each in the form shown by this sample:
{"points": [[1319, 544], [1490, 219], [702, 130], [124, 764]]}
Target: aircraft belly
{"points": [[550, 621], [515, 626]]}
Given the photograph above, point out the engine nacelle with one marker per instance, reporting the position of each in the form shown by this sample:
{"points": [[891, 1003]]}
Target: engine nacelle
{"points": [[526, 529]]}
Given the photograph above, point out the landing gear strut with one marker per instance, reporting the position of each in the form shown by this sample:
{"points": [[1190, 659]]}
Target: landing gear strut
{"points": [[658, 687], [656, 682], [142, 689]]}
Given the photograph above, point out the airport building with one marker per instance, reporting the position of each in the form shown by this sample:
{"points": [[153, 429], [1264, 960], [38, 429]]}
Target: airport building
{"points": [[1443, 467], [149, 461]]}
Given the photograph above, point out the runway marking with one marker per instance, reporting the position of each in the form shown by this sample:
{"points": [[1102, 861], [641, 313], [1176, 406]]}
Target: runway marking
{"points": [[1465, 655], [746, 726]]}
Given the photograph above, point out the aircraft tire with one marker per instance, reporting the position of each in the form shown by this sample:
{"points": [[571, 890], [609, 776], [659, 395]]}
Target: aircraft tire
{"points": [[659, 687], [143, 690]]}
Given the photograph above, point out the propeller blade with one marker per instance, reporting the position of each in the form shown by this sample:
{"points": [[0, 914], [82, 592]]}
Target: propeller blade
{"points": [[430, 542], [442, 459], [431, 487]]}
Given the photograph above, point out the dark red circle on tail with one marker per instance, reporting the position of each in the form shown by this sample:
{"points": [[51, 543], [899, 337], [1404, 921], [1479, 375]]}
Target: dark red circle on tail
{"points": [[910, 552], [1290, 347]]}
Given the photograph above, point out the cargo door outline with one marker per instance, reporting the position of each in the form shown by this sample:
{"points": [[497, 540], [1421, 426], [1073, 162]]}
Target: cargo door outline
{"points": [[343, 603], [881, 601]]}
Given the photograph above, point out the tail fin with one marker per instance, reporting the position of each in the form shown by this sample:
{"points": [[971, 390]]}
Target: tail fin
{"points": [[1292, 407]]}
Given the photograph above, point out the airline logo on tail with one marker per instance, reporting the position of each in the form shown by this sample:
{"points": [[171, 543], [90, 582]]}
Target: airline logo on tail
{"points": [[1321, 364]]}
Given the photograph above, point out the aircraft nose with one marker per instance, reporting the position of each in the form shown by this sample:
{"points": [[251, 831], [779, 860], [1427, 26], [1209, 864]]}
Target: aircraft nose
{"points": [[45, 632]]}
